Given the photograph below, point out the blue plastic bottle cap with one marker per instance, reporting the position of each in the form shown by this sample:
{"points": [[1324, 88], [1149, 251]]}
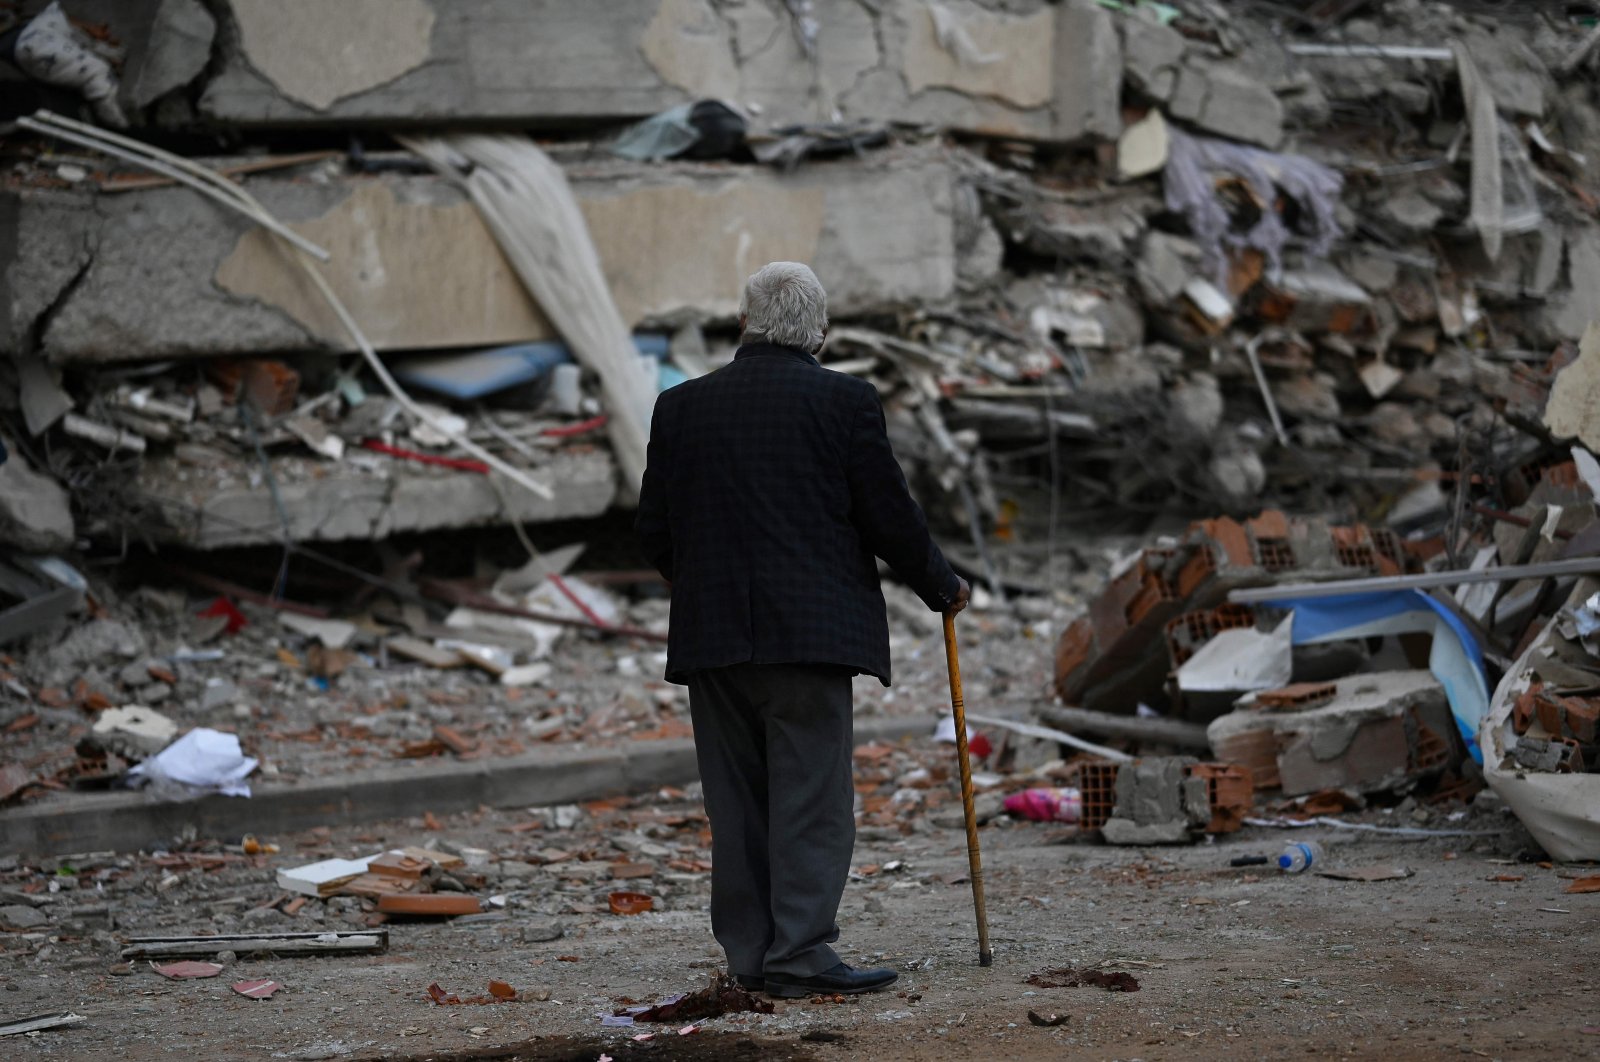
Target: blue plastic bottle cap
{"points": [[1284, 862]]}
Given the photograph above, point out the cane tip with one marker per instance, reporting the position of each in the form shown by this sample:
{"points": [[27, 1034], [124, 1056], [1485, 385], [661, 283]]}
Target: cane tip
{"points": [[985, 958]]}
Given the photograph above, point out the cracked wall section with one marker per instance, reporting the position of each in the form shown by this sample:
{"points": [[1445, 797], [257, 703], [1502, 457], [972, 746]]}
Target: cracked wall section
{"points": [[960, 64]]}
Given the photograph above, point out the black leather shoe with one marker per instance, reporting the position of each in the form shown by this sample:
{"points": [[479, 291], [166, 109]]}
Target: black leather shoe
{"points": [[750, 982], [842, 980]]}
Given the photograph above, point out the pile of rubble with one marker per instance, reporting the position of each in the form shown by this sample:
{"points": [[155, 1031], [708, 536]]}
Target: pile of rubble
{"points": [[1338, 664], [1108, 263], [1160, 258]]}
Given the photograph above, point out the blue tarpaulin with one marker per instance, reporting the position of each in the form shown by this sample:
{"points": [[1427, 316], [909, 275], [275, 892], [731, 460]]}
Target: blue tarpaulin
{"points": [[1455, 660]]}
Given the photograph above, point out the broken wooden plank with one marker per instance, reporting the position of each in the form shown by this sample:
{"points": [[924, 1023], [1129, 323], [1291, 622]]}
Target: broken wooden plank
{"points": [[333, 942], [40, 1022]]}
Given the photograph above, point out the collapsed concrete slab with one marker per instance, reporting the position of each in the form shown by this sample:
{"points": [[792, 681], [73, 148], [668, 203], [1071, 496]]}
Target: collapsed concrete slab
{"points": [[1377, 732], [1021, 69], [226, 502], [163, 272]]}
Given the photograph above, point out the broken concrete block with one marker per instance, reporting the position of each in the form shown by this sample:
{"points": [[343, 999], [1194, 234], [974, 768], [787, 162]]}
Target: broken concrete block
{"points": [[170, 275], [1152, 55], [1373, 736], [1100, 232], [171, 48], [1088, 73], [221, 506], [1513, 72], [35, 511], [20, 917], [1167, 264], [133, 732], [1540, 754], [1157, 803], [1319, 299], [966, 47], [1411, 212], [1570, 315], [1225, 100]]}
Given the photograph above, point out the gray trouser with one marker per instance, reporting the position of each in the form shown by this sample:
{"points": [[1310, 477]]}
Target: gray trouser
{"points": [[774, 745]]}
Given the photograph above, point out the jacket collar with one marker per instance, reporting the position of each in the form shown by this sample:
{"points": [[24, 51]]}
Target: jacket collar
{"points": [[759, 348]]}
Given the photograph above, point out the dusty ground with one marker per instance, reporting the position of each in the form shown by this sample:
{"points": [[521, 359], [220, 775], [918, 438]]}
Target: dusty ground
{"points": [[1448, 962], [382, 709]]}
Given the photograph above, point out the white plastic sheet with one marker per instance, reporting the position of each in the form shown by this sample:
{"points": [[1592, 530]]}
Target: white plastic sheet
{"points": [[1240, 660]]}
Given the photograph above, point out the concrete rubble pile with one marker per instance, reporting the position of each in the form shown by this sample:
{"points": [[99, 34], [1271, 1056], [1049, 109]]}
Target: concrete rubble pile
{"points": [[1360, 672], [1159, 258], [1114, 267]]}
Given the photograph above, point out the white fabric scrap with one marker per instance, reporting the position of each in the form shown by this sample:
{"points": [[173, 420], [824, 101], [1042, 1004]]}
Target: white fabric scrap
{"points": [[527, 204], [202, 761]]}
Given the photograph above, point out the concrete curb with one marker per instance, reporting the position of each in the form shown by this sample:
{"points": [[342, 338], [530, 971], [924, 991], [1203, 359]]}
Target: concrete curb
{"points": [[129, 821]]}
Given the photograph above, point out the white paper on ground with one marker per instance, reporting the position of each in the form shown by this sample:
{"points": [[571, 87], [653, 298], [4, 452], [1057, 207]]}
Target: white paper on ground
{"points": [[1241, 659], [203, 760], [333, 633]]}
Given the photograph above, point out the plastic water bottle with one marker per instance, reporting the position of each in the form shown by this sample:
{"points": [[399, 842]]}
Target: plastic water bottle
{"points": [[1300, 856]]}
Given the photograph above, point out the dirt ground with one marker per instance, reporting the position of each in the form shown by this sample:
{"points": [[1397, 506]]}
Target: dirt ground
{"points": [[1450, 961]]}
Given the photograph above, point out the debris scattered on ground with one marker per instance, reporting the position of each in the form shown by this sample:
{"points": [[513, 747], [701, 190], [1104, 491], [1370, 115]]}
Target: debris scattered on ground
{"points": [[1067, 977], [178, 971], [499, 992], [258, 989], [721, 996]]}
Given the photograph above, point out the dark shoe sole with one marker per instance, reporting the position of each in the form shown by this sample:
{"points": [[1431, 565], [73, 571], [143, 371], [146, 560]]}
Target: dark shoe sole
{"points": [[748, 983], [779, 990]]}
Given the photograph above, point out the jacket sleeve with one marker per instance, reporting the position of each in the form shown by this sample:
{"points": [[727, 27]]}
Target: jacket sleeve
{"points": [[888, 519], [651, 524]]}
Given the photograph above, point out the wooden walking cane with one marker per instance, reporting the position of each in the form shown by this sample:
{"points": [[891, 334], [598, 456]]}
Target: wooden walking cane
{"points": [[974, 861]]}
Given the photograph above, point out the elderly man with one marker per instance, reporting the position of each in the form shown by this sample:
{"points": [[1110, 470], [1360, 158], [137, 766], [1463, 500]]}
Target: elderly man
{"points": [[770, 488]]}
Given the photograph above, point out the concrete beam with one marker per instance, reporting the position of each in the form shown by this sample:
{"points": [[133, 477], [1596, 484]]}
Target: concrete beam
{"points": [[223, 504], [1018, 69], [165, 273]]}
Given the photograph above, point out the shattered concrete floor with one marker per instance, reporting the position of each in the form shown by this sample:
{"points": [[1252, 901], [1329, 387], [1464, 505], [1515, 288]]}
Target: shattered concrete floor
{"points": [[1457, 959]]}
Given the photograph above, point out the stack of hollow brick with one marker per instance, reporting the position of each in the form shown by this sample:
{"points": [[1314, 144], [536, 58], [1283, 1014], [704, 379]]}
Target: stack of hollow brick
{"points": [[1555, 731], [1230, 790], [1160, 610]]}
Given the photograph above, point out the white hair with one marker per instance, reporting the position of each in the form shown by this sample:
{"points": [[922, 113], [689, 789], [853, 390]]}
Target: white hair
{"points": [[783, 303]]}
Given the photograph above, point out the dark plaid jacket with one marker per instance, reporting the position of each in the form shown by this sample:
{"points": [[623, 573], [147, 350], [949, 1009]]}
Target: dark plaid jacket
{"points": [[770, 488]]}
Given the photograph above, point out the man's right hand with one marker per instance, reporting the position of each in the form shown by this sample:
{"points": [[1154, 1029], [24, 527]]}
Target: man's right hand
{"points": [[963, 595]]}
